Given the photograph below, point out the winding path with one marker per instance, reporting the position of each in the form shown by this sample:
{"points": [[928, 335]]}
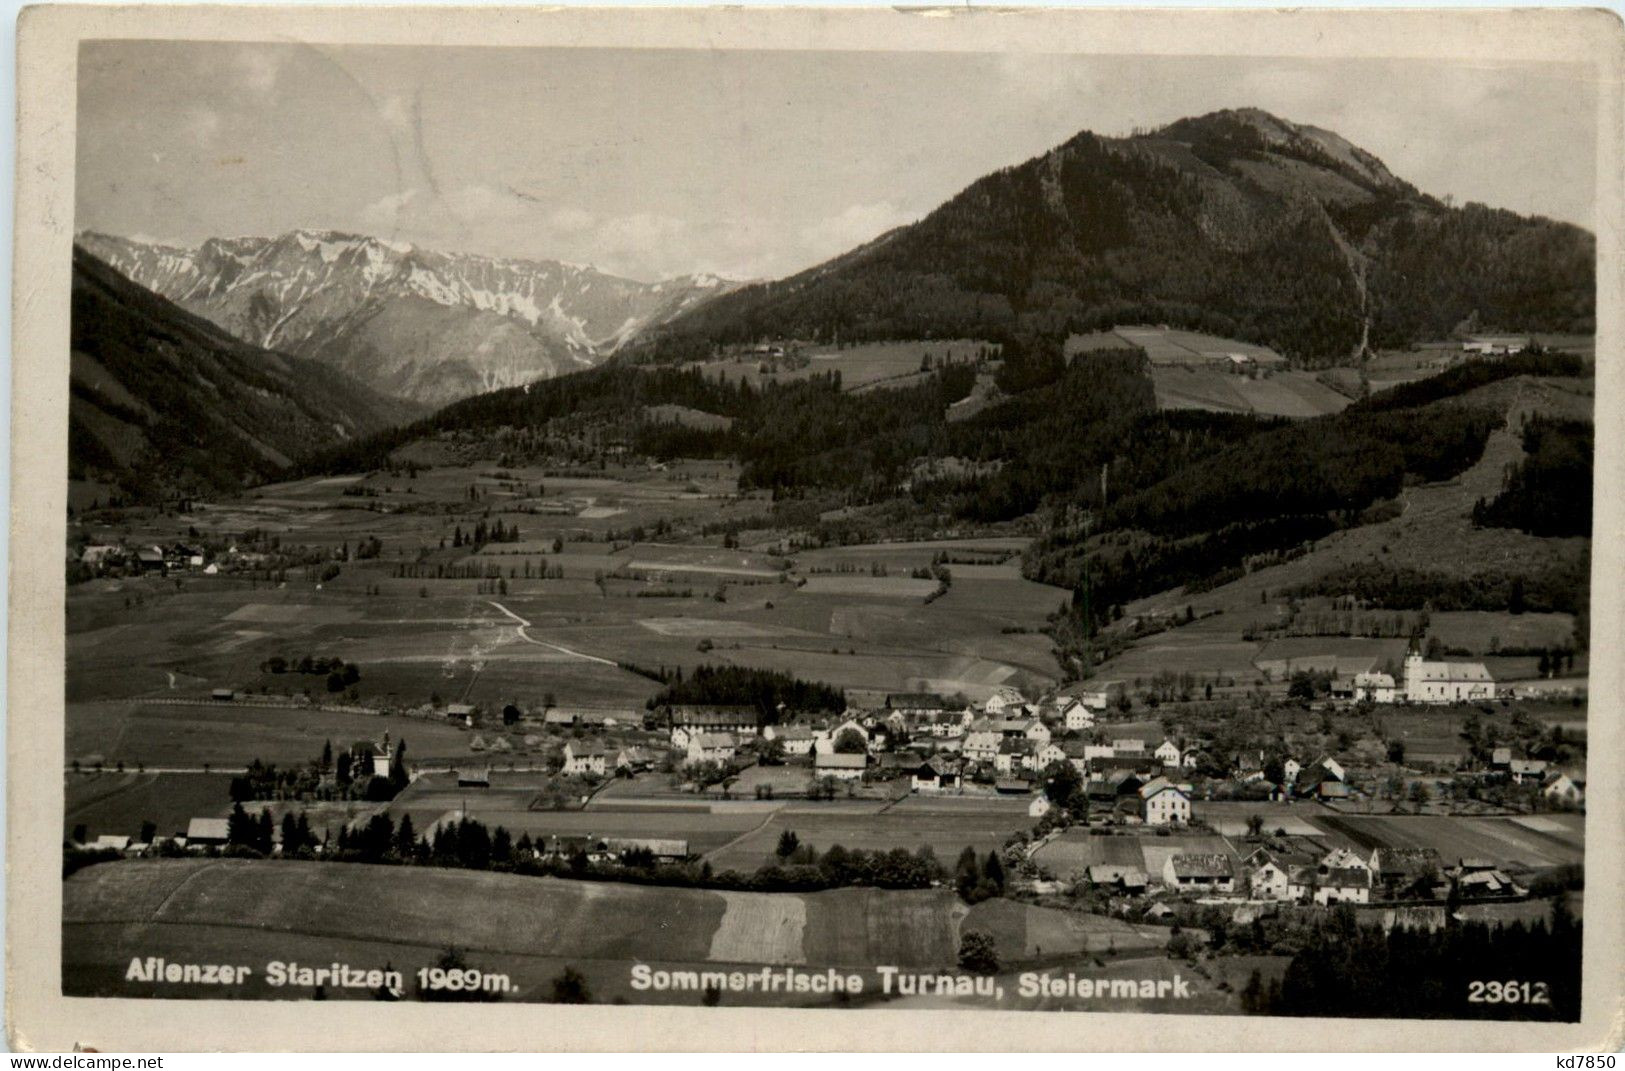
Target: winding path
{"points": [[527, 637]]}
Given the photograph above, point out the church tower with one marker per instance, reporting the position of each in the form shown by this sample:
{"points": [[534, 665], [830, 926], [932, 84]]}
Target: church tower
{"points": [[1413, 672]]}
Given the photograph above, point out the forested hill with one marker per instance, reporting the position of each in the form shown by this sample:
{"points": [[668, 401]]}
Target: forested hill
{"points": [[1237, 223], [164, 403], [1137, 498]]}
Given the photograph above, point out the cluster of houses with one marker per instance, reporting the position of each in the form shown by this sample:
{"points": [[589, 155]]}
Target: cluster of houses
{"points": [[204, 834], [146, 558], [1007, 741], [1290, 875], [1560, 788], [943, 744], [163, 558], [201, 834]]}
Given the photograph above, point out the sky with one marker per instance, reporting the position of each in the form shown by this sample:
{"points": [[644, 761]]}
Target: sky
{"points": [[650, 163]]}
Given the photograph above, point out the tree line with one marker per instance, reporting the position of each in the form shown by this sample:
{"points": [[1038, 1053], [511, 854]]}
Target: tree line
{"points": [[763, 689]]}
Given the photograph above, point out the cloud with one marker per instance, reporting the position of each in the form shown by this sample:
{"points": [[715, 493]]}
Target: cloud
{"points": [[502, 218], [571, 220], [385, 214], [853, 226]]}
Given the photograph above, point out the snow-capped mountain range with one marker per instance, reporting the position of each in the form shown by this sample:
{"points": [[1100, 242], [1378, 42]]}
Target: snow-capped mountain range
{"points": [[420, 324]]}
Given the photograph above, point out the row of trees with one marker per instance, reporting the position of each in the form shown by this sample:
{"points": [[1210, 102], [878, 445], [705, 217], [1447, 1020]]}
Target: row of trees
{"points": [[763, 689], [1348, 970], [1548, 493], [470, 844], [1560, 583], [347, 775]]}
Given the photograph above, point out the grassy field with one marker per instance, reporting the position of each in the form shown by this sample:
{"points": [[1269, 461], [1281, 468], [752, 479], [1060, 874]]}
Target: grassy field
{"points": [[200, 909], [1484, 633], [1432, 531], [1026, 931], [230, 735], [1076, 850], [945, 830], [869, 365], [1171, 346], [1532, 843], [527, 928], [1287, 394], [820, 615], [118, 803]]}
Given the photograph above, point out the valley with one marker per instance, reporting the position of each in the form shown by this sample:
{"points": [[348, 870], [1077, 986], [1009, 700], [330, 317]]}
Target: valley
{"points": [[1125, 567]]}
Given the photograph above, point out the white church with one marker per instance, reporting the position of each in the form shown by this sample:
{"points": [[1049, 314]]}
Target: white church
{"points": [[1428, 682]]}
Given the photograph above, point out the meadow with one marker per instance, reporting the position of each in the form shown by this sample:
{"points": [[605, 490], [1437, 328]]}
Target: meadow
{"points": [[1076, 850], [116, 804], [213, 901], [1429, 530], [558, 611], [228, 736], [1285, 393], [195, 910], [946, 829], [1532, 842], [1171, 346], [864, 366]]}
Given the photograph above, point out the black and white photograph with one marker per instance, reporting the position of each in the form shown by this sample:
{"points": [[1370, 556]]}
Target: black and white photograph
{"points": [[828, 528]]}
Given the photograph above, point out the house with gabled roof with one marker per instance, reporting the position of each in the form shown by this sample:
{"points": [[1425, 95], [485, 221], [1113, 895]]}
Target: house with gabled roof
{"points": [[795, 739], [1130, 880], [1005, 703], [945, 725], [1339, 877], [915, 705], [582, 758], [1016, 754], [1564, 789], [841, 765], [1522, 770], [1375, 687], [1164, 803], [982, 741], [1407, 873], [711, 747], [1199, 872], [1325, 885], [207, 832], [1267, 878], [688, 719], [1477, 879], [1076, 715], [934, 775], [635, 759]]}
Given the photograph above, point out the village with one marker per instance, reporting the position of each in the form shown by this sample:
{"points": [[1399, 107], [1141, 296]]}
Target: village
{"points": [[1088, 797]]}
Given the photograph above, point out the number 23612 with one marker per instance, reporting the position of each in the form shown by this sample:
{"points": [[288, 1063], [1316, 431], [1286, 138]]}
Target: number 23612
{"points": [[1510, 992]]}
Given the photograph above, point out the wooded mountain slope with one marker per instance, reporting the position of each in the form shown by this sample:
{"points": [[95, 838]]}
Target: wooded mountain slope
{"points": [[1237, 223], [163, 402]]}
